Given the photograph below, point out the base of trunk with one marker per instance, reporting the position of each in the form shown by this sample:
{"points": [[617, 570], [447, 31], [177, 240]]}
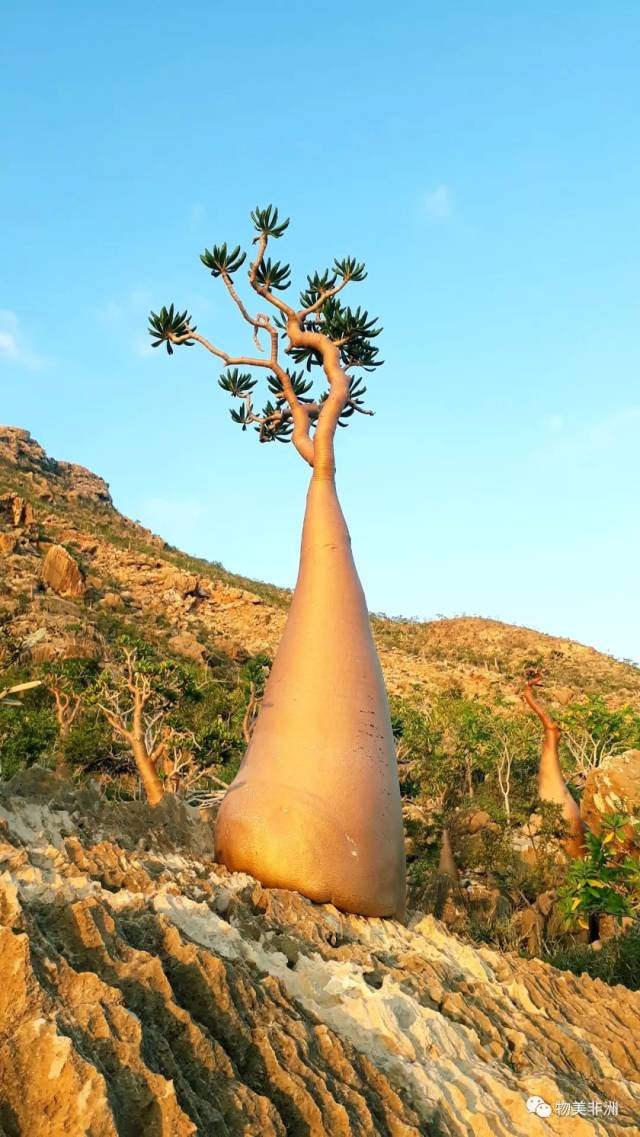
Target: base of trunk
{"points": [[289, 839]]}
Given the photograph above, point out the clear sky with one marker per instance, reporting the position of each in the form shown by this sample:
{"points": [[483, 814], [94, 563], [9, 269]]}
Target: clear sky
{"points": [[482, 157]]}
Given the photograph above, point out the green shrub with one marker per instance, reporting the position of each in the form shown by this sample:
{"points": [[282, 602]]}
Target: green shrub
{"points": [[28, 736], [607, 880], [618, 961]]}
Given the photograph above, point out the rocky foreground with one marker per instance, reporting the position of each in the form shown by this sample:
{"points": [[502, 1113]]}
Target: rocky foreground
{"points": [[147, 992]]}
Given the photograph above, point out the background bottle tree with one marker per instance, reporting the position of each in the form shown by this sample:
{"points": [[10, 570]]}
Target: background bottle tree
{"points": [[551, 783], [316, 804]]}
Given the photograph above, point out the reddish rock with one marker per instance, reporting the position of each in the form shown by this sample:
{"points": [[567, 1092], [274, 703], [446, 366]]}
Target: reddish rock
{"points": [[61, 574]]}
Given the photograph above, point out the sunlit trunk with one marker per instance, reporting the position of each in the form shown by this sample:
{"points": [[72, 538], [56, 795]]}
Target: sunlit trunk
{"points": [[316, 805], [551, 787], [148, 776]]}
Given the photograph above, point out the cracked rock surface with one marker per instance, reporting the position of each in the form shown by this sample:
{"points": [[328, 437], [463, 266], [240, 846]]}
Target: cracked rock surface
{"points": [[147, 992]]}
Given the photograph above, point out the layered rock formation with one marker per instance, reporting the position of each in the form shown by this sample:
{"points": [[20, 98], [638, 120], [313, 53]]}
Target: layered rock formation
{"points": [[147, 992], [47, 476]]}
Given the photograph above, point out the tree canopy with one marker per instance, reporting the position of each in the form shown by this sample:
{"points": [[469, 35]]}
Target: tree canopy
{"points": [[322, 332]]}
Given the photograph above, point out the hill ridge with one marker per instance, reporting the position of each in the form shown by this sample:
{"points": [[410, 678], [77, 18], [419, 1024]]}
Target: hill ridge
{"points": [[130, 570]]}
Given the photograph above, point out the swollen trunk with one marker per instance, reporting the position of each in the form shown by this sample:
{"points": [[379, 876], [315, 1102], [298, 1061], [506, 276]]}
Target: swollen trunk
{"points": [[316, 803], [551, 787]]}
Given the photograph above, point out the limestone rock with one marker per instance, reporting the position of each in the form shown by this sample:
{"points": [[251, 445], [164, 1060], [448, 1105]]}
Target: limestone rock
{"points": [[471, 821], [146, 990], [61, 573], [613, 787]]}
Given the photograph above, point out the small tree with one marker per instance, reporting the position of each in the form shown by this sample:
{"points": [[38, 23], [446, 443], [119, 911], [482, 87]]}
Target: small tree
{"points": [[136, 712], [67, 704], [503, 771], [181, 772], [593, 732], [323, 735], [467, 739]]}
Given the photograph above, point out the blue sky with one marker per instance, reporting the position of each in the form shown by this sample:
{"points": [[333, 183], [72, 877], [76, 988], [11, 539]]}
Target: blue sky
{"points": [[482, 158]]}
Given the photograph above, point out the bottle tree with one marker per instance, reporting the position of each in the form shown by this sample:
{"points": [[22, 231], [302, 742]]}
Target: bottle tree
{"points": [[316, 804], [551, 783]]}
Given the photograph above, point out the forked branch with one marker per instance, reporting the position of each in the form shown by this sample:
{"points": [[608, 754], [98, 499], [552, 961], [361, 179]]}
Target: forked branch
{"points": [[321, 332], [548, 723]]}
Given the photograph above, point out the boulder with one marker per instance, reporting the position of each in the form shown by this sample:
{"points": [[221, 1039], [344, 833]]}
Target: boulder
{"points": [[478, 820], [613, 787], [188, 584], [188, 646], [61, 573], [111, 600]]}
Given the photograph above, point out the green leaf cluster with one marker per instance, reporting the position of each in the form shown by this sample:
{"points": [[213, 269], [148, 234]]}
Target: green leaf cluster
{"points": [[301, 386], [266, 222], [168, 322], [236, 383], [220, 260], [273, 275], [607, 880]]}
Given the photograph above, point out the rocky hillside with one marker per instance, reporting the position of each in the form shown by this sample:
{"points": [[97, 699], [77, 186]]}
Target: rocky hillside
{"points": [[71, 564], [147, 992]]}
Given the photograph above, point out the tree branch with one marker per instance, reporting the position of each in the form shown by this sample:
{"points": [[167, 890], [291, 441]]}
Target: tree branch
{"points": [[336, 401], [229, 360], [326, 295], [545, 718], [275, 300]]}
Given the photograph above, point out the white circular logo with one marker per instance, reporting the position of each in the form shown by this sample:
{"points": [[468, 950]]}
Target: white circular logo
{"points": [[534, 1102]]}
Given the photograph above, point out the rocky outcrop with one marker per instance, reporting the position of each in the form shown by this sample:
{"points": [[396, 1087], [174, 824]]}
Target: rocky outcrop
{"points": [[613, 787], [48, 477], [18, 447], [145, 991], [61, 573], [84, 484], [15, 511]]}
